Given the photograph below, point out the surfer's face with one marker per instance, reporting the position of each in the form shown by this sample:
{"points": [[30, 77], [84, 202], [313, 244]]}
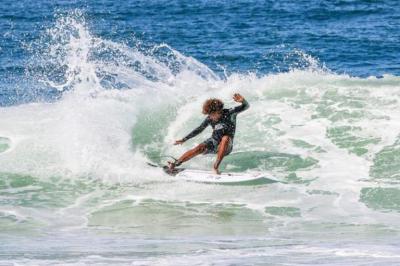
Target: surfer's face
{"points": [[215, 116]]}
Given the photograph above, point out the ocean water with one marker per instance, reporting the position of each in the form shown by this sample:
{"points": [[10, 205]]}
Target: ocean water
{"points": [[92, 90]]}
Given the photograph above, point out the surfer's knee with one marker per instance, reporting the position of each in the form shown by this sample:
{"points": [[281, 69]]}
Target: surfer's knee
{"points": [[201, 147], [225, 139]]}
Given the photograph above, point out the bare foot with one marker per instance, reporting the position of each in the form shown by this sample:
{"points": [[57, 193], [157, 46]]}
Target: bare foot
{"points": [[171, 166], [216, 171]]}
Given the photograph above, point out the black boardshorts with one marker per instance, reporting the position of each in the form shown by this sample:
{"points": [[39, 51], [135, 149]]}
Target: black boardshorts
{"points": [[212, 146]]}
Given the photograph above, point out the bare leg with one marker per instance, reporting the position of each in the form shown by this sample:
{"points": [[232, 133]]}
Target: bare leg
{"points": [[222, 148], [189, 155]]}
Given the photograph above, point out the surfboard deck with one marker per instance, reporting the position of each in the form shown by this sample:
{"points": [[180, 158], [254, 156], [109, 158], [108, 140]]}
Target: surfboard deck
{"points": [[228, 178]]}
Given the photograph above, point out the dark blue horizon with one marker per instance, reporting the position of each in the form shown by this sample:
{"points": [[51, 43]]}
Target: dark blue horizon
{"points": [[354, 37]]}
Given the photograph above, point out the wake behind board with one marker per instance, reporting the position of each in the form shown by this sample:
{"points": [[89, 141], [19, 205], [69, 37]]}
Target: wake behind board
{"points": [[226, 178]]}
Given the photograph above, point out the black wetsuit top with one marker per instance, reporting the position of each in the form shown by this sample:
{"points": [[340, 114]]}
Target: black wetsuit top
{"points": [[226, 125]]}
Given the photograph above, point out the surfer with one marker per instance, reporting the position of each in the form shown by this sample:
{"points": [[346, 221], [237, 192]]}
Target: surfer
{"points": [[223, 123]]}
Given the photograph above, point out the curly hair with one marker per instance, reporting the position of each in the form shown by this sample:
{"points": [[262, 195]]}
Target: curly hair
{"points": [[212, 105]]}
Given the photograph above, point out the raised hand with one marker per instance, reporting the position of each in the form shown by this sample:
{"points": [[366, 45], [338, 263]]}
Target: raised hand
{"points": [[238, 98]]}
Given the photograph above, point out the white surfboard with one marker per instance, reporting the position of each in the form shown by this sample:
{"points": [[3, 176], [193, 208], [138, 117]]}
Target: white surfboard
{"points": [[224, 178], [201, 176]]}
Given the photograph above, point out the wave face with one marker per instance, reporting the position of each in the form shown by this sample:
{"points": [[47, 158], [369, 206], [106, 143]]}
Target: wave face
{"points": [[73, 167]]}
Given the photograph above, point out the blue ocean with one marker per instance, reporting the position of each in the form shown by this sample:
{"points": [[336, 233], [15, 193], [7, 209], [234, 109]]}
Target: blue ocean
{"points": [[91, 91]]}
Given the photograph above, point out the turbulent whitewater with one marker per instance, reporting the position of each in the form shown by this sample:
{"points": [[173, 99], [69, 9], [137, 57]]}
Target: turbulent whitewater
{"points": [[74, 178]]}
